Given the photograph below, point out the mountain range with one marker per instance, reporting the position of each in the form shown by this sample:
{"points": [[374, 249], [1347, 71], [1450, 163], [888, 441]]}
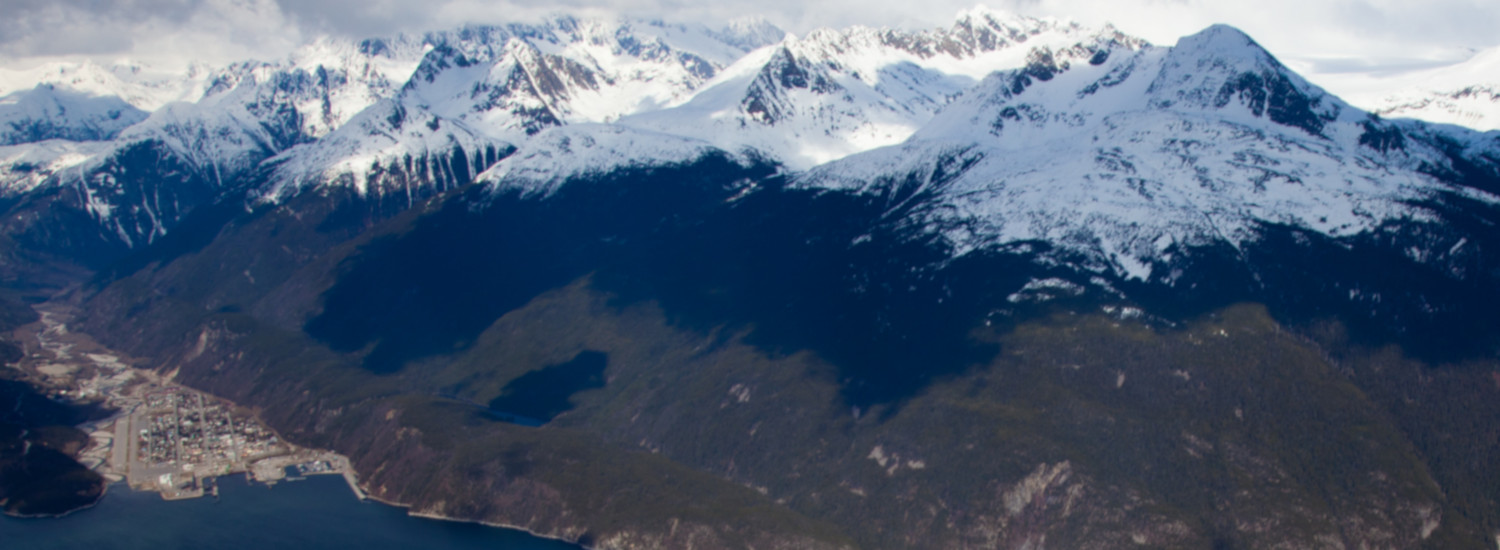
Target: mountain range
{"points": [[1005, 284]]}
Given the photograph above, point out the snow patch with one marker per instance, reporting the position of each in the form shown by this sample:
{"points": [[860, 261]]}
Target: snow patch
{"points": [[740, 392], [1041, 290], [1028, 490], [893, 462], [26, 167], [1431, 520]]}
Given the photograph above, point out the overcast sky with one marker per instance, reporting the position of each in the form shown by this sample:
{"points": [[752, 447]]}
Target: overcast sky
{"points": [[1312, 35]]}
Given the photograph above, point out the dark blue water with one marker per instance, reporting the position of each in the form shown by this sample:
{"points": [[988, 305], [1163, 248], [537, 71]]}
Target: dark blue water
{"points": [[319, 512], [541, 395]]}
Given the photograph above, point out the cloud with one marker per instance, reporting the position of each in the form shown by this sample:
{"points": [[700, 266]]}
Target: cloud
{"points": [[1329, 33], [151, 30], [1306, 28]]}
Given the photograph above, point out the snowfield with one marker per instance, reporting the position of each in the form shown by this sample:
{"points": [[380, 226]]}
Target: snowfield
{"points": [[999, 129]]}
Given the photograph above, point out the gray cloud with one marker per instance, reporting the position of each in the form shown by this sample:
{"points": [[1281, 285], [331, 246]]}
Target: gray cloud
{"points": [[1306, 28], [219, 30], [41, 27]]}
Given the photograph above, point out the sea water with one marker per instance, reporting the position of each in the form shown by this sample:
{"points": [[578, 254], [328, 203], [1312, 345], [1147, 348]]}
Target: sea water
{"points": [[319, 512]]}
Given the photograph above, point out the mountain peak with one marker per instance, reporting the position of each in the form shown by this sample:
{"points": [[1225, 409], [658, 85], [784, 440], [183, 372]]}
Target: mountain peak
{"points": [[750, 33], [1223, 67], [987, 16], [1222, 41]]}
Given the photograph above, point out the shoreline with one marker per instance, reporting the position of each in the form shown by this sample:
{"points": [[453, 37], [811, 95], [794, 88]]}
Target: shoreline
{"points": [[424, 515], [349, 478], [250, 516], [54, 343], [71, 368], [102, 493]]}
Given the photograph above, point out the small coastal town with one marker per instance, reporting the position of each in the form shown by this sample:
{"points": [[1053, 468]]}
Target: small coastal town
{"points": [[164, 437]]}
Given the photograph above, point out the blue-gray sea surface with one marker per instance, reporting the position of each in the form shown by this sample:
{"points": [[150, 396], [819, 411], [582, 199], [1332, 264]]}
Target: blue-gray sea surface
{"points": [[319, 512]]}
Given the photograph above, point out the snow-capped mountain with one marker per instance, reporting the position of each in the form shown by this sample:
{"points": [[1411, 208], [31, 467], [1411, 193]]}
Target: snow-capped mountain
{"points": [[346, 78], [144, 87], [188, 153], [220, 121], [836, 92], [749, 33], [251, 111], [1117, 155], [1474, 106], [515, 80], [46, 112], [1116, 126], [1146, 153], [1466, 93], [26, 167], [479, 90], [390, 148]]}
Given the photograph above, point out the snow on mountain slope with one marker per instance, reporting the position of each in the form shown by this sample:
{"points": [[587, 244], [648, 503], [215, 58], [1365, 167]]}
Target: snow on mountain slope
{"points": [[1134, 157], [518, 79], [27, 166], [1088, 138], [388, 149], [434, 111], [330, 81], [187, 153], [808, 101], [749, 33], [509, 88], [250, 111], [1475, 106], [45, 112], [321, 85], [484, 88], [1466, 94], [145, 87], [560, 155], [226, 133]]}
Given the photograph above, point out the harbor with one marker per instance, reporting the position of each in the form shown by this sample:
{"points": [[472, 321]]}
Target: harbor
{"points": [[163, 437]]}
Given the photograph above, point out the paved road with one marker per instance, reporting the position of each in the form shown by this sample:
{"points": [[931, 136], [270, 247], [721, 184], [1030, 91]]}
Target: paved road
{"points": [[122, 447]]}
